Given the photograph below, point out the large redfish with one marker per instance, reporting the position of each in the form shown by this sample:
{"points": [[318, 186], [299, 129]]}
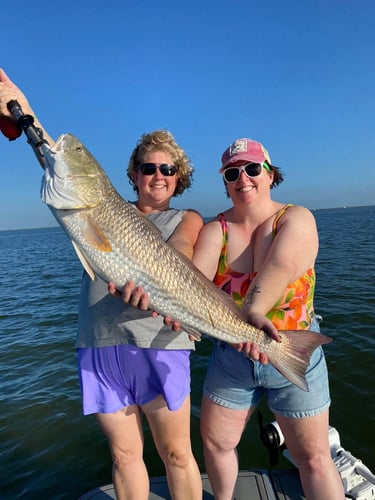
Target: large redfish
{"points": [[116, 242]]}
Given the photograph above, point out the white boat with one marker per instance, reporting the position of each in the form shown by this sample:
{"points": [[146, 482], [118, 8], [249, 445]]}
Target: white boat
{"points": [[272, 484], [357, 479]]}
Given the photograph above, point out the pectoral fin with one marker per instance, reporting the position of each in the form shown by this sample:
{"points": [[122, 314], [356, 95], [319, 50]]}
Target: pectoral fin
{"points": [[95, 236]]}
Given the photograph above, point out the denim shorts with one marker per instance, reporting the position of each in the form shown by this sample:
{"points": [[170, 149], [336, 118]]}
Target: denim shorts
{"points": [[239, 383], [123, 375]]}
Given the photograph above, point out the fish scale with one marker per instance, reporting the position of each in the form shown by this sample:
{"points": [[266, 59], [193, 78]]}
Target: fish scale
{"points": [[115, 241]]}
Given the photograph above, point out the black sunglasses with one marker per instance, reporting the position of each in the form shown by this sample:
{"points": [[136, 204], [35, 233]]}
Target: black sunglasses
{"points": [[232, 174], [165, 169]]}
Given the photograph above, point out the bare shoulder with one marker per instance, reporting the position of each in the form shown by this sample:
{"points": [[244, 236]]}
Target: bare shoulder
{"points": [[298, 213], [186, 233], [297, 224], [192, 216], [299, 209], [191, 223], [212, 227]]}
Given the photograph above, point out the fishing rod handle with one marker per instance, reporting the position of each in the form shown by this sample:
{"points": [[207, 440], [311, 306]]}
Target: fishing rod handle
{"points": [[15, 108], [26, 123], [23, 120]]}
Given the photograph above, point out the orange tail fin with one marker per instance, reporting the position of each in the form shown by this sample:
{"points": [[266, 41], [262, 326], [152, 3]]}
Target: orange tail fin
{"points": [[296, 348]]}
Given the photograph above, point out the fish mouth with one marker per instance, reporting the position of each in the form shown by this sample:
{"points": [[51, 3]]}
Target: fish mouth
{"points": [[59, 144], [49, 151]]}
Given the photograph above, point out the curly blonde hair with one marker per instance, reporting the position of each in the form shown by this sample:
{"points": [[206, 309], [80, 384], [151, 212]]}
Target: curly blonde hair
{"points": [[162, 140]]}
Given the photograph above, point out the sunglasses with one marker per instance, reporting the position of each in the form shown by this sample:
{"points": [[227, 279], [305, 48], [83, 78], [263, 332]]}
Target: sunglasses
{"points": [[165, 169], [232, 174]]}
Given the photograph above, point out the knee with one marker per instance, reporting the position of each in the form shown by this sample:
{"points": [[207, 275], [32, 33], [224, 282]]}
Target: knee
{"points": [[219, 438], [177, 457], [313, 463], [214, 443], [121, 458]]}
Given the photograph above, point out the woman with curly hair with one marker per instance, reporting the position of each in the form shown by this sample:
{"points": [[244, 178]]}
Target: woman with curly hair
{"points": [[130, 363]]}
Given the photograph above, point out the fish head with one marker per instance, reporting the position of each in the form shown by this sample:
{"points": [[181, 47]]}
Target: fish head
{"points": [[72, 179]]}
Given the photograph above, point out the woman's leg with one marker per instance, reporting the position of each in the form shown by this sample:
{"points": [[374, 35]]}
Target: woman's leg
{"points": [[123, 430], [307, 441], [171, 433], [221, 430]]}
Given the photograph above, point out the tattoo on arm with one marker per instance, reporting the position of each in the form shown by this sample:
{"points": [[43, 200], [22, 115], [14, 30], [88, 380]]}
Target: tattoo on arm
{"points": [[250, 296]]}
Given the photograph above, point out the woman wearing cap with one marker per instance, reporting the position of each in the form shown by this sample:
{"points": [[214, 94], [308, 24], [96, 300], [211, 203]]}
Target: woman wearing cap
{"points": [[129, 363], [262, 253]]}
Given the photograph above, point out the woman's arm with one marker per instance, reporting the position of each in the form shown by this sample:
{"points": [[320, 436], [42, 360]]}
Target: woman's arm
{"points": [[186, 233], [292, 252], [208, 248]]}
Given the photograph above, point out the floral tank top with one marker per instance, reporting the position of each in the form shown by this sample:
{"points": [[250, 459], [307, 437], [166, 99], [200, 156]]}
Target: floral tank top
{"points": [[293, 311]]}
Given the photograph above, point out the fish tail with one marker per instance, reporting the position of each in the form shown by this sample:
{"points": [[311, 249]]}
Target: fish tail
{"points": [[293, 358]]}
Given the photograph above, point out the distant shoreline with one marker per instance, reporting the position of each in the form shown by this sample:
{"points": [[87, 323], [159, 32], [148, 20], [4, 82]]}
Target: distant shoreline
{"points": [[208, 217]]}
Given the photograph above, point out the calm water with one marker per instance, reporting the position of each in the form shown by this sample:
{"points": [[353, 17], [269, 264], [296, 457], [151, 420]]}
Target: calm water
{"points": [[49, 450]]}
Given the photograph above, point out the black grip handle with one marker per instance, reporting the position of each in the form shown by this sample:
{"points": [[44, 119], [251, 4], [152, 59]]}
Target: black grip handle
{"points": [[15, 108], [26, 123], [22, 120]]}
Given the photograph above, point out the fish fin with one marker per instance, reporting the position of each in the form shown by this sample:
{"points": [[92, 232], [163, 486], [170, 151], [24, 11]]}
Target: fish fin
{"points": [[296, 347], [95, 236], [194, 334], [85, 263]]}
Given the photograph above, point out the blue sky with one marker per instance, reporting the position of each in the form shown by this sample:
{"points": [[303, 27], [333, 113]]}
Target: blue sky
{"points": [[297, 75]]}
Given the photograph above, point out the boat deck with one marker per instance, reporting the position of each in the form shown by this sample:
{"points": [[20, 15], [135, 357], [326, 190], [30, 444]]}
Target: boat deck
{"points": [[254, 484]]}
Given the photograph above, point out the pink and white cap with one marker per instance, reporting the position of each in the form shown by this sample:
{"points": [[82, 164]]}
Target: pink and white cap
{"points": [[244, 150]]}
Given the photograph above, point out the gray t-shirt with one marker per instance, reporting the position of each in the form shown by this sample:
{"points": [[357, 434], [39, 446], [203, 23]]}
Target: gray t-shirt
{"points": [[105, 320]]}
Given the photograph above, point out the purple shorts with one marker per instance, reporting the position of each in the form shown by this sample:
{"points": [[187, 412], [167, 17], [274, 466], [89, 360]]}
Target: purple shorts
{"points": [[123, 375]]}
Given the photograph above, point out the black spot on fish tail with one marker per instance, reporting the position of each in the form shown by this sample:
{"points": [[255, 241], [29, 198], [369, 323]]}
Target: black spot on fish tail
{"points": [[293, 358]]}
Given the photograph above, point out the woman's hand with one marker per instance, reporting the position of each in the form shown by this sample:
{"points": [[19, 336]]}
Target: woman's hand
{"points": [[250, 349], [10, 92], [137, 297], [131, 294], [263, 323]]}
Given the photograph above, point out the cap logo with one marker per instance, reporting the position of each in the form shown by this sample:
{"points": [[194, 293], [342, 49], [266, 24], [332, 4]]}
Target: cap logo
{"points": [[239, 146]]}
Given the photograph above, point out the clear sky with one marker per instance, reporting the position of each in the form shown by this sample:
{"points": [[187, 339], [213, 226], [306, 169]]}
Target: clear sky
{"points": [[297, 75]]}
